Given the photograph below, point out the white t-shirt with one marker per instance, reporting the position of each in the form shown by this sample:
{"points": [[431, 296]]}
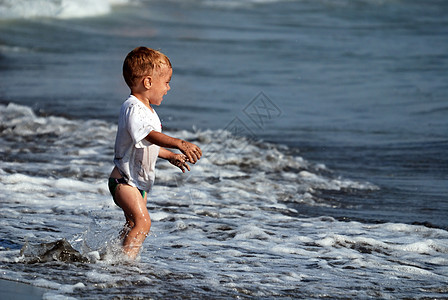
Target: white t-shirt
{"points": [[135, 157]]}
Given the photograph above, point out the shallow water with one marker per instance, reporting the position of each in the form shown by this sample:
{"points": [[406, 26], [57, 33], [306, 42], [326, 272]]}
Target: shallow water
{"points": [[323, 126], [215, 231]]}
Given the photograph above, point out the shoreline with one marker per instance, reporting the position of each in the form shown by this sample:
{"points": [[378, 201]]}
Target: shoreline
{"points": [[10, 290]]}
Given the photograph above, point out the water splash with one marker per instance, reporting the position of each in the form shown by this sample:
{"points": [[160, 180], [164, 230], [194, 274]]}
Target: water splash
{"points": [[60, 250]]}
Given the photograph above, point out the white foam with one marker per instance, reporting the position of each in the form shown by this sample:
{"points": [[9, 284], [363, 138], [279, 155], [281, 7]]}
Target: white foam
{"points": [[426, 247], [289, 250], [56, 296], [20, 183], [320, 182], [13, 49], [63, 9], [238, 3], [159, 216], [46, 284], [95, 276], [226, 219]]}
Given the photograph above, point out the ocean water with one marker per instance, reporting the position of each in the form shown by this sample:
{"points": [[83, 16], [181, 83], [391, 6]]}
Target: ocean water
{"points": [[324, 131]]}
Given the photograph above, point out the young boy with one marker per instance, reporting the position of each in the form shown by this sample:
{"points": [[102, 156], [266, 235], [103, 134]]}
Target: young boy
{"points": [[140, 141]]}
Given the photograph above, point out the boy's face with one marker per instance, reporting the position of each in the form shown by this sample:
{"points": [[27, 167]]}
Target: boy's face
{"points": [[160, 85]]}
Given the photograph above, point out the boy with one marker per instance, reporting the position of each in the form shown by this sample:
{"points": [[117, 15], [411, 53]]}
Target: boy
{"points": [[140, 141]]}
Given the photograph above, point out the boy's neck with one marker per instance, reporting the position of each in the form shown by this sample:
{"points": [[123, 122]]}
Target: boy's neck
{"points": [[143, 100]]}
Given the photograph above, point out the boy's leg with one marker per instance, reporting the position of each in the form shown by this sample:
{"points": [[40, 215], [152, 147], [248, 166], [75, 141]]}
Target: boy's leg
{"points": [[126, 228], [134, 207]]}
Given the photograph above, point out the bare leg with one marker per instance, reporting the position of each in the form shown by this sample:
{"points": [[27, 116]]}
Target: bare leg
{"points": [[126, 228], [137, 218]]}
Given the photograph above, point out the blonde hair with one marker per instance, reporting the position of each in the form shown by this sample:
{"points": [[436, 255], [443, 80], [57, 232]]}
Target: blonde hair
{"points": [[143, 61]]}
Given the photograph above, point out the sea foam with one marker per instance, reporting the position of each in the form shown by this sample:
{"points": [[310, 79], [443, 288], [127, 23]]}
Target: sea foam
{"points": [[63, 9], [223, 226]]}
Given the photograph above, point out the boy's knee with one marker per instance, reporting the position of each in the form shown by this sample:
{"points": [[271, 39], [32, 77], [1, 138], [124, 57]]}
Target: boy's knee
{"points": [[143, 225], [147, 226]]}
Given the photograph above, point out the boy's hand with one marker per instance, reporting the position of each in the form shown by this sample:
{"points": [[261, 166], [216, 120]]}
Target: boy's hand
{"points": [[180, 161], [191, 151]]}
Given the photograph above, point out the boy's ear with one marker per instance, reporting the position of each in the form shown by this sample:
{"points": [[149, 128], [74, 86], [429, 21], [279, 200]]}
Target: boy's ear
{"points": [[147, 82]]}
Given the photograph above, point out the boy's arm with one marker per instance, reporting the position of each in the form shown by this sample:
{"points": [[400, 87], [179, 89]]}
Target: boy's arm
{"points": [[192, 151], [165, 153], [178, 160]]}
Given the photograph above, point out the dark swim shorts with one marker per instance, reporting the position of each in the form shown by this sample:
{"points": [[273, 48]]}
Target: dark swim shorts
{"points": [[114, 182]]}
